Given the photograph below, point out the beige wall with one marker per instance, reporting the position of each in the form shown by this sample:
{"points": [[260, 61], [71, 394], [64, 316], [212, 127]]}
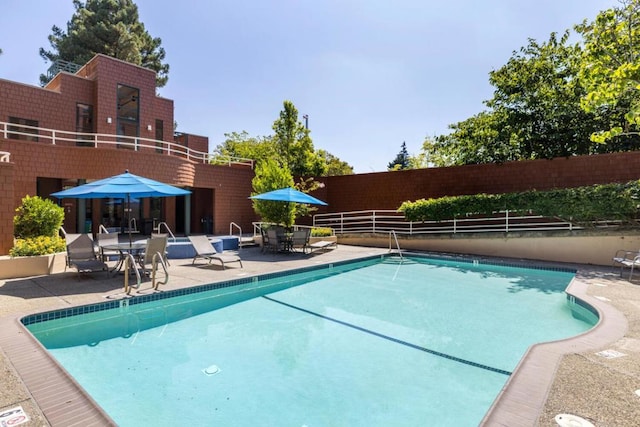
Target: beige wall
{"points": [[584, 248]]}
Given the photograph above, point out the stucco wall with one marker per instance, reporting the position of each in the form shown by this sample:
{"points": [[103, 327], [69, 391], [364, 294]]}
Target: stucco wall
{"points": [[569, 247]]}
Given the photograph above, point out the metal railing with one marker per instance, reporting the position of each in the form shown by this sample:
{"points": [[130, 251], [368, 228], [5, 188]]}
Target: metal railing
{"points": [[101, 140], [385, 221], [166, 226]]}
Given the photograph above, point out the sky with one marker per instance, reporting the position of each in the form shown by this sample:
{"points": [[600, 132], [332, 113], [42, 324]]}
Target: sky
{"points": [[370, 74]]}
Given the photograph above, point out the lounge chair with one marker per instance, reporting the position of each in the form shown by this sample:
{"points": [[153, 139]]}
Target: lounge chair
{"points": [[81, 254], [321, 244], [204, 249], [628, 259], [155, 246]]}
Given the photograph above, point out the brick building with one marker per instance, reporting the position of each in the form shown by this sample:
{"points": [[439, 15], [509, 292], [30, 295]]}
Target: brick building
{"points": [[100, 121]]}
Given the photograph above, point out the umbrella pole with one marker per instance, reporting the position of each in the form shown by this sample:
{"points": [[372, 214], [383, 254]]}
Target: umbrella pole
{"points": [[129, 218]]}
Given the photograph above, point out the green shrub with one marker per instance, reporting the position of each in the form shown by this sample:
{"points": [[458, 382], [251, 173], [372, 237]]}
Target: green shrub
{"points": [[41, 245], [581, 205], [36, 226], [37, 217], [321, 232]]}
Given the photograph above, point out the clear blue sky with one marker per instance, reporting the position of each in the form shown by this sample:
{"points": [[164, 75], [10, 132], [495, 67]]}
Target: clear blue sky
{"points": [[369, 73]]}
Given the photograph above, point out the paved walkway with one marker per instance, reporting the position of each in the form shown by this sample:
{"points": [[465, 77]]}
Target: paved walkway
{"points": [[596, 388]]}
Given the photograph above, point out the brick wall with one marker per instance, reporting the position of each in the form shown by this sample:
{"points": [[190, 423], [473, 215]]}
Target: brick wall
{"points": [[387, 190], [7, 206]]}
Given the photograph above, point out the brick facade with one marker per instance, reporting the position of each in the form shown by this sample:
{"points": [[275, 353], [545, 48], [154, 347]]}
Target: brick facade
{"points": [[387, 190]]}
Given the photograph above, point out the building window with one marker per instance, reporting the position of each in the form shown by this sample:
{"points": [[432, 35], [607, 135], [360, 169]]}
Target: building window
{"points": [[84, 124], [159, 135], [128, 116], [25, 133]]}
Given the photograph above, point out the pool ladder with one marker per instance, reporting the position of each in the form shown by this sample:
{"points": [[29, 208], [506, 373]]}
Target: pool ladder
{"points": [[393, 237], [158, 259]]}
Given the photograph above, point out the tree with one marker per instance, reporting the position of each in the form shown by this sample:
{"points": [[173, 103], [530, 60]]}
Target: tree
{"points": [[611, 68], [270, 175], [293, 144], [110, 27], [244, 146], [334, 166], [401, 161], [535, 112]]}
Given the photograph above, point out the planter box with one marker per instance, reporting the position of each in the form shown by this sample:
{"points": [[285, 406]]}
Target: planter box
{"points": [[11, 268]]}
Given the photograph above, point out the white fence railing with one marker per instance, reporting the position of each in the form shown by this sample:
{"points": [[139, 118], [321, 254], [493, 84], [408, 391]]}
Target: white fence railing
{"points": [[384, 221], [66, 138]]}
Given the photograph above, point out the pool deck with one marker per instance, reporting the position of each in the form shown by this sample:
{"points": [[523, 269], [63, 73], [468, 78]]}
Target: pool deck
{"points": [[565, 376]]}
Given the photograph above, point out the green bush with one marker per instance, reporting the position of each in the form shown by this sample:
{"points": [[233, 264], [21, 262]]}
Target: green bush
{"points": [[41, 245], [581, 205], [37, 217], [321, 232], [36, 226]]}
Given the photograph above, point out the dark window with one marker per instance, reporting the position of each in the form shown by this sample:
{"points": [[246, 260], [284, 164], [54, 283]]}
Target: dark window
{"points": [[159, 135], [128, 115], [25, 133], [84, 124]]}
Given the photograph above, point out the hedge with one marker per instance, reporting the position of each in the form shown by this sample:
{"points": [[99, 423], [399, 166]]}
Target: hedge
{"points": [[581, 205]]}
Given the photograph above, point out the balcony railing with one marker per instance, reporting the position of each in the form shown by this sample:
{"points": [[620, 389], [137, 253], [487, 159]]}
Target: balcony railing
{"points": [[101, 140], [384, 221]]}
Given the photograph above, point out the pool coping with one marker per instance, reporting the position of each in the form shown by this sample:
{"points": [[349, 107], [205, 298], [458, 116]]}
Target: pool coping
{"points": [[64, 402]]}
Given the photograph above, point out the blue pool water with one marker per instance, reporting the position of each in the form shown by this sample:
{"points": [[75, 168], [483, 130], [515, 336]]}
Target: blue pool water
{"points": [[373, 343]]}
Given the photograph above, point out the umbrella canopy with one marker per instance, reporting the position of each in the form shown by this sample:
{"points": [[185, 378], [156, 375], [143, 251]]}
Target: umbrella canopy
{"points": [[289, 195], [123, 186]]}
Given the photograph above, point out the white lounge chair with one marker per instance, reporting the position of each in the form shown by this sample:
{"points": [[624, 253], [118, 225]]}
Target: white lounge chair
{"points": [[321, 244], [629, 259], [204, 249]]}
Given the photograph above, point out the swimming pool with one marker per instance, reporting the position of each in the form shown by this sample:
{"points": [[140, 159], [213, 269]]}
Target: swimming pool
{"points": [[358, 344]]}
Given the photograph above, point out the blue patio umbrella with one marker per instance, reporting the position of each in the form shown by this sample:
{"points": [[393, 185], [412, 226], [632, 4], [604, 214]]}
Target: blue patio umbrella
{"points": [[289, 195], [123, 186]]}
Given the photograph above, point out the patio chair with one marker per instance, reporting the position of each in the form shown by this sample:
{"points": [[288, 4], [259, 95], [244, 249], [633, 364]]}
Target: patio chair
{"points": [[155, 246], [629, 259], [105, 239], [81, 254], [273, 243], [300, 239], [204, 249]]}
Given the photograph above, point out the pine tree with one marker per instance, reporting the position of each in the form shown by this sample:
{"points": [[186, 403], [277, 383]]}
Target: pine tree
{"points": [[401, 161], [110, 27]]}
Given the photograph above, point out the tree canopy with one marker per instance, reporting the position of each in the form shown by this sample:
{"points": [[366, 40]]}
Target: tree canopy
{"points": [[110, 27], [611, 71], [556, 99], [293, 144], [291, 147]]}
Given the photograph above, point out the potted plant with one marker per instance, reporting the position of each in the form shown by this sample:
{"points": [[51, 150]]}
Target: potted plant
{"points": [[37, 247]]}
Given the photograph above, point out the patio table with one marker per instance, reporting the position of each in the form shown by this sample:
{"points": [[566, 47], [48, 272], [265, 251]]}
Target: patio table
{"points": [[125, 249]]}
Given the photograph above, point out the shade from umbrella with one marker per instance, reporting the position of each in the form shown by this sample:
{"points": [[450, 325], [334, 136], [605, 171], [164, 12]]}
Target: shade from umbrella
{"points": [[289, 195], [123, 186]]}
